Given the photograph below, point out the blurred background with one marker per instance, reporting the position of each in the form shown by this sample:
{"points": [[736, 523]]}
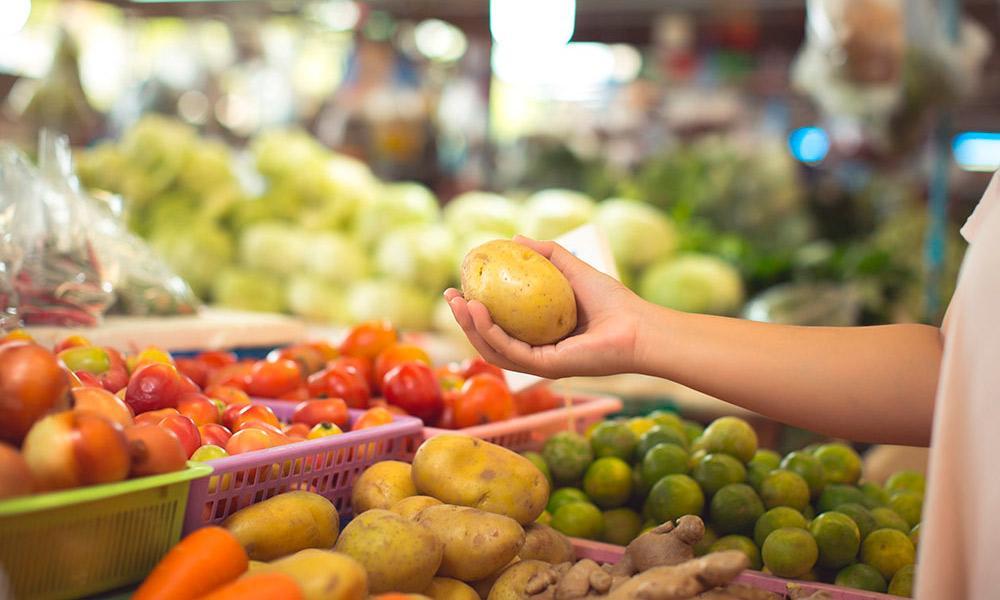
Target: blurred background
{"points": [[791, 161]]}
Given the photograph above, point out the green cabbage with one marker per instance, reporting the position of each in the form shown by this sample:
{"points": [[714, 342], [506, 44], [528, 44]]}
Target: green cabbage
{"points": [[551, 213], [694, 283], [245, 289], [335, 258], [316, 300], [273, 247], [196, 254], [483, 211], [421, 256], [397, 205], [638, 233], [404, 305]]}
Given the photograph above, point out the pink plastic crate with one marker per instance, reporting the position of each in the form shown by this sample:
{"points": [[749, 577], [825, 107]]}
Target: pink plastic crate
{"points": [[530, 432], [609, 553], [327, 466]]}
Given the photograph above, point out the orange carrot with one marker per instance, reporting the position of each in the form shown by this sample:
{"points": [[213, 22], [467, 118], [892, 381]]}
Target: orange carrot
{"points": [[203, 561], [259, 586]]}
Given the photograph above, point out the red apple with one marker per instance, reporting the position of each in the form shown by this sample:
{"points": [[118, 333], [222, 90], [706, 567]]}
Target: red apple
{"points": [[73, 448], [154, 450], [330, 410], [101, 401], [249, 440], [153, 386], [15, 476], [213, 433], [153, 417], [32, 384], [185, 430], [199, 408]]}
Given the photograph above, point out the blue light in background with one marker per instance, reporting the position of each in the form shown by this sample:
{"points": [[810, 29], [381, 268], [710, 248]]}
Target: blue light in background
{"points": [[809, 144], [977, 151]]}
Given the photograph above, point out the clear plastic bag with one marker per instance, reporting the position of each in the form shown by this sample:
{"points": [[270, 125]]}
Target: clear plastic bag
{"points": [[143, 284]]}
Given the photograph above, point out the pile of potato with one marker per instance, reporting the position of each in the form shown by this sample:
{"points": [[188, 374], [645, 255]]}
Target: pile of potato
{"points": [[457, 524]]}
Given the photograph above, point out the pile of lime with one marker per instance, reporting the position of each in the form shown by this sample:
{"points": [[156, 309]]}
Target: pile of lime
{"points": [[807, 515]]}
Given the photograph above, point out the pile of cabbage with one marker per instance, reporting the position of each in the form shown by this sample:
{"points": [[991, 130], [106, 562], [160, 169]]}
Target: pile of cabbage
{"points": [[288, 225]]}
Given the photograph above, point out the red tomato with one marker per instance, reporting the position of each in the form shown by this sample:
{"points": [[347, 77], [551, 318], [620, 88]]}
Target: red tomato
{"points": [[309, 359], [449, 377], [88, 379], [213, 433], [255, 412], [413, 387], [447, 418], [483, 399], [227, 394], [477, 365], [229, 415], [373, 417], [536, 399], [155, 385], [249, 440], [233, 375], [297, 395], [297, 430], [369, 339], [116, 377], [199, 408], [270, 379], [330, 410], [32, 383], [153, 417], [216, 359], [328, 350], [361, 366], [395, 355], [196, 370], [185, 430], [71, 341], [338, 382]]}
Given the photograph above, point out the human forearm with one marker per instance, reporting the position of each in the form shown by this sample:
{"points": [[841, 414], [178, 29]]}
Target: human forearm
{"points": [[863, 383]]}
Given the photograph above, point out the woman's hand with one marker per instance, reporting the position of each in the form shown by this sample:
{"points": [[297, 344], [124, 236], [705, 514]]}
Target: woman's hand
{"points": [[603, 343]]}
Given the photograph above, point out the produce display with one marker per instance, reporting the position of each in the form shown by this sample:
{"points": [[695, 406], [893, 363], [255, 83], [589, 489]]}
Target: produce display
{"points": [[807, 515]]}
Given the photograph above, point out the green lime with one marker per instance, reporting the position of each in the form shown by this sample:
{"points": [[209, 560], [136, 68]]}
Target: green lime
{"points": [[696, 457], [809, 513], [539, 461], [565, 496], [809, 468], [735, 508], [579, 519], [790, 552], [902, 582], [836, 494], [762, 463], [907, 505], [568, 455], [640, 425], [693, 430], [608, 482], [841, 464], [672, 497], [888, 550], [811, 448], [730, 435], [838, 538], [662, 460], [545, 518], [776, 518], [766, 457], [666, 418], [658, 435], [915, 535], [861, 516], [613, 438], [714, 471], [621, 526], [886, 518], [861, 577], [784, 488], [906, 481], [703, 546], [741, 543], [874, 494]]}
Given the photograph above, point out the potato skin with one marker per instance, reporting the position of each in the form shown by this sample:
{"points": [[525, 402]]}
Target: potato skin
{"points": [[382, 485], [285, 524], [411, 507], [510, 584], [446, 588], [476, 543], [399, 555], [324, 574], [543, 543], [458, 469], [527, 296]]}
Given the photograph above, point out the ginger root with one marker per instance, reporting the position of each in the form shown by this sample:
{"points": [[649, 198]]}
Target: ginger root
{"points": [[684, 580], [668, 544]]}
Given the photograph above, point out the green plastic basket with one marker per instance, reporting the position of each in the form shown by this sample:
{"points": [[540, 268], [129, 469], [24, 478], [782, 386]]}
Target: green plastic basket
{"points": [[89, 540]]}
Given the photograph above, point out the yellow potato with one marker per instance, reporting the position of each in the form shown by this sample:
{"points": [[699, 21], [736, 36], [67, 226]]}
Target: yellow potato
{"points": [[446, 588], [476, 543], [543, 543], [285, 524], [483, 586], [382, 485], [398, 554], [324, 574], [510, 584], [526, 294], [410, 507], [462, 470]]}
